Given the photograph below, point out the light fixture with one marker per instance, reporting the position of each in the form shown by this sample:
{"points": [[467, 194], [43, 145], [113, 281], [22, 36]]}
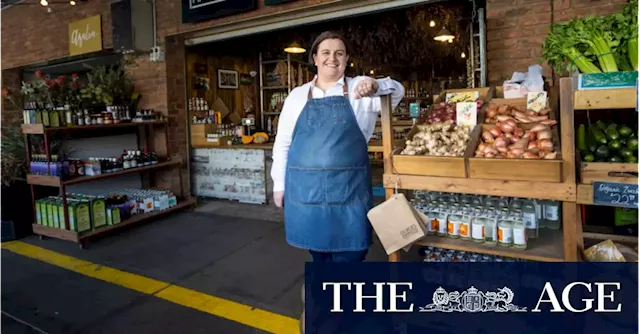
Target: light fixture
{"points": [[432, 23], [444, 35], [371, 72], [463, 55], [44, 2], [72, 3], [295, 48], [351, 65]]}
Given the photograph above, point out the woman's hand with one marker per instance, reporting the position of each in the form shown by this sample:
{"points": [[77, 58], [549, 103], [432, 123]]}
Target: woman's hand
{"points": [[366, 87], [278, 197]]}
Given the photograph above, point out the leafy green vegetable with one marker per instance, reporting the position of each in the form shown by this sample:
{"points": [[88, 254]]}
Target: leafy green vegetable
{"points": [[560, 46]]}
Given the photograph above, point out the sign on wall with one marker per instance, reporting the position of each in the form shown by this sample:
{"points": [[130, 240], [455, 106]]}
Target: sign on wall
{"points": [[202, 10], [85, 35]]}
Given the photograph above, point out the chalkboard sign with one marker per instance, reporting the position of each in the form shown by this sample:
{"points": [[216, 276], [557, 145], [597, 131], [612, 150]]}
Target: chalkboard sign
{"points": [[615, 194]]}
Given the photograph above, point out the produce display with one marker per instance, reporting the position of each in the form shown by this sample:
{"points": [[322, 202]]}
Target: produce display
{"points": [[507, 140], [440, 139], [503, 112], [607, 142], [595, 44], [443, 112]]}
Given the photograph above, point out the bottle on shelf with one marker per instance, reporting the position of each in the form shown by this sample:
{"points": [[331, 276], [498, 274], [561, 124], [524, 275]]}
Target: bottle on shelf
{"points": [[465, 222], [552, 214], [454, 221], [441, 220], [530, 218], [505, 229], [491, 228], [519, 229]]}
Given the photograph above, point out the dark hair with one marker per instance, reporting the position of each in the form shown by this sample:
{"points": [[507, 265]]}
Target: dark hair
{"points": [[328, 35]]}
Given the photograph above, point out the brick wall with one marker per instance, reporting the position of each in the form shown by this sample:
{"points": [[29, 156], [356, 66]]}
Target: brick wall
{"points": [[516, 30], [11, 114]]}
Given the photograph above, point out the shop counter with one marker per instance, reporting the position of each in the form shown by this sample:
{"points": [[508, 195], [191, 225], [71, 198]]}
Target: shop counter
{"points": [[234, 172]]}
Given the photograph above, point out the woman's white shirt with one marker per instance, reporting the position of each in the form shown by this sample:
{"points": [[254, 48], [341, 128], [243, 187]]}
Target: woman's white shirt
{"points": [[366, 111]]}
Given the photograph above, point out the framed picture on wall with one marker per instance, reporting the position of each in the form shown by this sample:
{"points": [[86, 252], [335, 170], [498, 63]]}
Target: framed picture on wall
{"points": [[227, 79]]}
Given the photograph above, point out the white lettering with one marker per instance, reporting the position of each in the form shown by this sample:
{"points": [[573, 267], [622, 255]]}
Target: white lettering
{"points": [[393, 307], [379, 296], [78, 38], [567, 303], [601, 296], [336, 294], [552, 299]]}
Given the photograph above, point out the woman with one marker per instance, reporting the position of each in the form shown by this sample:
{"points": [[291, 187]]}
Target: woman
{"points": [[321, 168]]}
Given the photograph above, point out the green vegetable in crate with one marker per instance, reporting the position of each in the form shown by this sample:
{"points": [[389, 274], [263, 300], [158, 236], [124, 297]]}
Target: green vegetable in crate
{"points": [[582, 138], [599, 135], [631, 159], [615, 158], [612, 132], [632, 144], [602, 151], [589, 157], [591, 142], [625, 152], [625, 131], [614, 145]]}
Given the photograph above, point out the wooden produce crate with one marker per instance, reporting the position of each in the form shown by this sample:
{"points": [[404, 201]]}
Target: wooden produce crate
{"points": [[499, 98], [485, 93], [199, 136], [431, 165], [517, 169], [607, 172]]}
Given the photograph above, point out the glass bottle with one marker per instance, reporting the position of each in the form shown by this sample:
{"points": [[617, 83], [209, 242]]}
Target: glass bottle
{"points": [[530, 218], [540, 213], [453, 223], [465, 223], [432, 212], [519, 231], [552, 214], [491, 228], [477, 229], [442, 220], [505, 230], [515, 204]]}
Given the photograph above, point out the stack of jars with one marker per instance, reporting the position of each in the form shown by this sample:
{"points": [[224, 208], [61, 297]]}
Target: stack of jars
{"points": [[503, 221]]}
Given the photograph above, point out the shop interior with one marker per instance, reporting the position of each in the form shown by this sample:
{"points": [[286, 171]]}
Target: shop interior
{"points": [[426, 47]]}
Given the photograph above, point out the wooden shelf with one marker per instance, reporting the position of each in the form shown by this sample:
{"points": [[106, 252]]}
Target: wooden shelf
{"points": [[522, 189], [621, 98], [403, 123], [612, 237], [548, 247], [40, 129], [54, 181], [585, 195], [76, 237]]}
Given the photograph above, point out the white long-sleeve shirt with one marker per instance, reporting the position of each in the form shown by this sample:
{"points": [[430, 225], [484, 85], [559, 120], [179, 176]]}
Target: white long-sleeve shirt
{"points": [[366, 110]]}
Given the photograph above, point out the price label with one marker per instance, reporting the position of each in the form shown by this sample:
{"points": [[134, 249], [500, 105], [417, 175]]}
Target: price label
{"points": [[462, 97], [615, 194], [414, 110], [536, 101], [466, 113]]}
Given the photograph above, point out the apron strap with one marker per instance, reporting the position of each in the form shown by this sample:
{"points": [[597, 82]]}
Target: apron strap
{"points": [[345, 89]]}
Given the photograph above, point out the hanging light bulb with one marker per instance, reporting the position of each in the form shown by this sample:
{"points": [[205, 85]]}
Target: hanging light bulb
{"points": [[444, 35], [295, 48], [72, 3], [44, 2], [371, 72], [432, 23], [463, 55]]}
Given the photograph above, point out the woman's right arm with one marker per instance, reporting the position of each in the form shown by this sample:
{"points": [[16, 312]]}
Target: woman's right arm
{"points": [[286, 124]]}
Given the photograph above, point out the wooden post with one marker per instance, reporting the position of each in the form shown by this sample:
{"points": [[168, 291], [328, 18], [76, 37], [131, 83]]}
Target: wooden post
{"points": [[387, 142], [572, 230]]}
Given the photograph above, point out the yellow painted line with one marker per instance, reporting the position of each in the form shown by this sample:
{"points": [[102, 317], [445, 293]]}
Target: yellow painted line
{"points": [[219, 307]]}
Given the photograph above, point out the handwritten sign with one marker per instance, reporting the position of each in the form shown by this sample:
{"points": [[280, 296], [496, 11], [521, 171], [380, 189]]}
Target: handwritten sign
{"points": [[456, 97], [85, 35], [414, 110], [536, 101], [466, 113], [615, 194]]}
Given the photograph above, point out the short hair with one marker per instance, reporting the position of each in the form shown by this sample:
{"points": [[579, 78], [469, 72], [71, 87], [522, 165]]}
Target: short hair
{"points": [[328, 35]]}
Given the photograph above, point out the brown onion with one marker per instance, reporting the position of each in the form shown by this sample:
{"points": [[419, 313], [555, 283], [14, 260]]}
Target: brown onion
{"points": [[529, 155], [510, 155], [545, 145], [534, 150], [544, 134], [531, 135], [549, 122], [487, 137], [503, 118], [495, 131], [508, 135], [491, 113], [481, 147], [551, 156], [490, 149], [514, 139], [544, 111], [500, 142], [500, 156], [505, 127], [539, 127], [517, 152], [532, 145], [489, 155], [519, 114], [503, 109], [512, 123], [503, 149], [518, 132], [538, 118], [530, 112]]}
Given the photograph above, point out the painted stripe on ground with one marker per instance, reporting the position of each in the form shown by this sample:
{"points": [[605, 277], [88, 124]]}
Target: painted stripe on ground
{"points": [[224, 308]]}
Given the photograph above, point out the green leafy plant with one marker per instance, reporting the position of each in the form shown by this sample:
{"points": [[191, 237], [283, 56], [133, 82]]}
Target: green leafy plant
{"points": [[109, 84], [14, 163]]}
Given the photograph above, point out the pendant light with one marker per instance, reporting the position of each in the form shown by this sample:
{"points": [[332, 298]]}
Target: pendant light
{"points": [[444, 35], [295, 48]]}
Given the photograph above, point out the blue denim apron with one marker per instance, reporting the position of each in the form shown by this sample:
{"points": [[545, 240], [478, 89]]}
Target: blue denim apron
{"points": [[328, 179]]}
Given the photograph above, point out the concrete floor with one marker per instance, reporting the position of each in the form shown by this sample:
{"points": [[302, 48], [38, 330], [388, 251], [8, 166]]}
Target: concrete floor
{"points": [[231, 250]]}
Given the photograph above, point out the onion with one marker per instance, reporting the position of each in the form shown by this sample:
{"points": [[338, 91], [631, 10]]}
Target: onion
{"points": [[542, 154], [490, 149], [549, 122], [503, 109], [495, 131], [503, 118], [511, 123], [544, 134], [544, 111], [481, 147], [532, 146], [529, 155], [534, 150], [518, 114], [487, 137], [517, 152], [539, 127], [442, 104], [500, 156], [505, 127], [479, 154], [489, 155], [538, 118], [501, 142], [518, 132], [545, 145], [510, 155], [550, 156], [531, 135], [503, 149], [508, 135], [491, 113]]}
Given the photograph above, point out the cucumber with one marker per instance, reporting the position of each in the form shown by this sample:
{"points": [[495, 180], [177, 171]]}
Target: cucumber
{"points": [[625, 131], [612, 132], [632, 159], [591, 142], [589, 157], [600, 125], [599, 136], [623, 141], [614, 145], [582, 140], [632, 144], [625, 152], [615, 158], [602, 152]]}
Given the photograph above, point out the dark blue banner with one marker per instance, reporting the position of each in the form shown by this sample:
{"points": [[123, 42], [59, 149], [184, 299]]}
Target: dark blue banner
{"points": [[457, 298]]}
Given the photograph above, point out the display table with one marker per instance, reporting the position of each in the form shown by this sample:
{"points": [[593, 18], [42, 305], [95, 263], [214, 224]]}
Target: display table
{"points": [[235, 172]]}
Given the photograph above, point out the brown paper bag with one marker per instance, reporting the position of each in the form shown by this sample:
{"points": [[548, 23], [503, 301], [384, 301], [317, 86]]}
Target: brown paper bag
{"points": [[396, 223], [425, 221]]}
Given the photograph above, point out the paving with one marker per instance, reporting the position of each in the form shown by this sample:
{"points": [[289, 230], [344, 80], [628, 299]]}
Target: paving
{"points": [[225, 249]]}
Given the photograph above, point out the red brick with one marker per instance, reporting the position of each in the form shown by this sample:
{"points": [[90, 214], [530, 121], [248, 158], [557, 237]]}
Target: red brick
{"points": [[495, 4], [501, 44], [588, 3]]}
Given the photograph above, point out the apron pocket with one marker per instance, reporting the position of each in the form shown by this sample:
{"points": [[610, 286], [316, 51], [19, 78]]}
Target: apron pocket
{"points": [[305, 185], [348, 184]]}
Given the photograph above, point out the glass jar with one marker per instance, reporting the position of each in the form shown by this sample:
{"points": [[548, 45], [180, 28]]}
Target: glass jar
{"points": [[539, 212], [442, 220], [465, 223], [477, 229], [454, 221], [432, 214], [530, 218], [490, 229], [552, 214], [505, 232], [519, 231]]}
